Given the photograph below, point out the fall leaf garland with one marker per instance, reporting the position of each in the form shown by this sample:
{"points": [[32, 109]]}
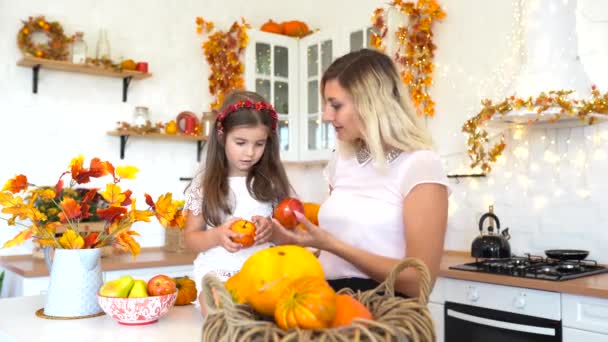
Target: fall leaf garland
{"points": [[483, 154], [57, 46], [415, 51], [222, 51]]}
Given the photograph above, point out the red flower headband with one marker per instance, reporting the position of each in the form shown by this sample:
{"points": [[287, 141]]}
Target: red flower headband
{"points": [[259, 106]]}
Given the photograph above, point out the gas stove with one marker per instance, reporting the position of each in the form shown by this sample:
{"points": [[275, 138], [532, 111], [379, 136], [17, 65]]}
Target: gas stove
{"points": [[531, 266]]}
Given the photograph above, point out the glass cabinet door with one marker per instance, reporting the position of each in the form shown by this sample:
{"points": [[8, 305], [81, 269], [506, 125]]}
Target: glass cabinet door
{"points": [[274, 77], [318, 138]]}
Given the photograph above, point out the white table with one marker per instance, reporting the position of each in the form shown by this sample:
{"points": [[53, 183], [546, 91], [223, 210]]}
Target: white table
{"points": [[18, 322]]}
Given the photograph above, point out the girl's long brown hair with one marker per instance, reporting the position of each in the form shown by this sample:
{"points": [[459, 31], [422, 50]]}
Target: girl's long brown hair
{"points": [[266, 181]]}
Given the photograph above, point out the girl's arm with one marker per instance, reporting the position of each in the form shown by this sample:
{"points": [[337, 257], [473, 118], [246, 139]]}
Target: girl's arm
{"points": [[425, 216], [199, 239]]}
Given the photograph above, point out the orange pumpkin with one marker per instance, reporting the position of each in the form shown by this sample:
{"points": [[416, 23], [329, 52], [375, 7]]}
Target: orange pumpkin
{"points": [[246, 229], [236, 288], [295, 28], [347, 309], [186, 290], [269, 271], [272, 27], [308, 302]]}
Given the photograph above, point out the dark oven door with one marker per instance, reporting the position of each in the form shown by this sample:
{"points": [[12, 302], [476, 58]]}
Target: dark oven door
{"points": [[475, 324]]}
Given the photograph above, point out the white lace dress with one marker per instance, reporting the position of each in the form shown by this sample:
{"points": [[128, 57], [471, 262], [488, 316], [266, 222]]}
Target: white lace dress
{"points": [[218, 260]]}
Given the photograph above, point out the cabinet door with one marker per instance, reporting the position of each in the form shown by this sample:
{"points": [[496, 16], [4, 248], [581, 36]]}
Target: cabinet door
{"points": [[576, 335], [437, 313], [317, 138], [271, 69], [356, 38]]}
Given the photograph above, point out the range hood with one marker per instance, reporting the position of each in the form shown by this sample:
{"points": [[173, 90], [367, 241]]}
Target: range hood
{"points": [[550, 58]]}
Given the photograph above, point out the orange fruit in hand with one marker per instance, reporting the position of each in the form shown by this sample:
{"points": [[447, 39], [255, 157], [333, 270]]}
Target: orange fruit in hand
{"points": [[311, 211], [246, 229], [347, 309]]}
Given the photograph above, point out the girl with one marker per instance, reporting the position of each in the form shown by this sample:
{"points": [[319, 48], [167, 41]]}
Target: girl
{"points": [[242, 178]]}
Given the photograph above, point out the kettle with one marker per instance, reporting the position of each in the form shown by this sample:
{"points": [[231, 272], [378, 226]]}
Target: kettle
{"points": [[491, 245]]}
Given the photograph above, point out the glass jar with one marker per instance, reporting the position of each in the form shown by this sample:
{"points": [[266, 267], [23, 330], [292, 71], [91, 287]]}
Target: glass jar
{"points": [[79, 49], [141, 116]]}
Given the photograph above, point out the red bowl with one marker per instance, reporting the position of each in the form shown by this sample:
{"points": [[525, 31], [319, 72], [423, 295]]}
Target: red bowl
{"points": [[137, 311]]}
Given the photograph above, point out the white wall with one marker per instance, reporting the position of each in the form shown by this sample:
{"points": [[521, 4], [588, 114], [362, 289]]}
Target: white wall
{"points": [[72, 112]]}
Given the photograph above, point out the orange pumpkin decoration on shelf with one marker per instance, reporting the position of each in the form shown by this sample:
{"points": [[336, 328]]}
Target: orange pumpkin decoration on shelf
{"points": [[186, 290], [269, 271], [236, 288], [272, 27], [246, 229], [347, 309], [308, 303], [295, 28]]}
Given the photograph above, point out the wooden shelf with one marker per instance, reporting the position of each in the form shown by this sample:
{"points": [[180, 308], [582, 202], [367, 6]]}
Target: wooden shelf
{"points": [[124, 136], [545, 121], [37, 63]]}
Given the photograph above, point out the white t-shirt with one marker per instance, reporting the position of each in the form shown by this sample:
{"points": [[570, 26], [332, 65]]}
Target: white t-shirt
{"points": [[218, 260], [365, 208]]}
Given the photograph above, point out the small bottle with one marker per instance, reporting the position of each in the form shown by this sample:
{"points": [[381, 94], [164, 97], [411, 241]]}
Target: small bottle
{"points": [[103, 46], [79, 49]]}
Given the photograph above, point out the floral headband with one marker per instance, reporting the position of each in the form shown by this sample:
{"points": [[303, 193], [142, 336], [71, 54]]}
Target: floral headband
{"points": [[248, 104]]}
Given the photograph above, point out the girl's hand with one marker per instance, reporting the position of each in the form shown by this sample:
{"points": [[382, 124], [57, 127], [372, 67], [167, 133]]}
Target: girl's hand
{"points": [[263, 229], [310, 236], [225, 233]]}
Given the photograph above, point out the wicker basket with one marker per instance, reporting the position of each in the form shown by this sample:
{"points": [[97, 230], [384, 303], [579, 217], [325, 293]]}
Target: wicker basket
{"points": [[396, 318]]}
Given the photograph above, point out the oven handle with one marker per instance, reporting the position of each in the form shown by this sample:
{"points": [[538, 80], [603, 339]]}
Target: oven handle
{"points": [[500, 324]]}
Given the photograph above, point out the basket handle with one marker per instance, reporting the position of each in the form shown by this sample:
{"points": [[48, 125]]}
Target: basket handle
{"points": [[212, 284], [423, 271]]}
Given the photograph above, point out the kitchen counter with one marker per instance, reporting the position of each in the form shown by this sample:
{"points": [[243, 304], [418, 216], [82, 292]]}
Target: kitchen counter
{"points": [[594, 286], [182, 323], [28, 266]]}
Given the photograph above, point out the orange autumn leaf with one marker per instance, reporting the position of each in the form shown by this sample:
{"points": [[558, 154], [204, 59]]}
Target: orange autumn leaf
{"points": [[165, 209], [126, 241], [16, 184], [179, 220], [59, 187], [149, 201], [126, 172], [91, 240], [19, 238], [139, 215], [71, 240], [127, 200], [76, 168], [113, 195], [98, 168], [110, 214], [70, 209]]}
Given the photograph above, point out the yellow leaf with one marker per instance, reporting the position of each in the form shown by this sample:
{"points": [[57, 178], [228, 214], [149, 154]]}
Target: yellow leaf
{"points": [[71, 240], [139, 215], [165, 209], [19, 238], [126, 241], [47, 243], [113, 195], [126, 172]]}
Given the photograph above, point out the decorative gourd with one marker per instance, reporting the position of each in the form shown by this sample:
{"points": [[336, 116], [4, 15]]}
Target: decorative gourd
{"points": [[272, 27], [295, 28], [186, 291], [236, 288], [267, 272], [308, 303], [347, 309]]}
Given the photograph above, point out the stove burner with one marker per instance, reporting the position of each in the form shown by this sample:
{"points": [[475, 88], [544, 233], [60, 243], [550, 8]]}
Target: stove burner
{"points": [[532, 266]]}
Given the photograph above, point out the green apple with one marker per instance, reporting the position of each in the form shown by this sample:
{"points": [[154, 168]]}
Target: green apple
{"points": [[139, 289], [117, 288]]}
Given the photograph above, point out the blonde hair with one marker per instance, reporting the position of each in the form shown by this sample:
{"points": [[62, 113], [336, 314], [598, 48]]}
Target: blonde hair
{"points": [[381, 101]]}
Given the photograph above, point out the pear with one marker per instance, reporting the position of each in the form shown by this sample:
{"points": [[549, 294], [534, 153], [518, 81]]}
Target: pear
{"points": [[117, 288], [139, 289]]}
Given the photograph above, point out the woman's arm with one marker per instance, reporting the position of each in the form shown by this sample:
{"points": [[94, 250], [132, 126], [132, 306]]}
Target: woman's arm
{"points": [[425, 211], [199, 239]]}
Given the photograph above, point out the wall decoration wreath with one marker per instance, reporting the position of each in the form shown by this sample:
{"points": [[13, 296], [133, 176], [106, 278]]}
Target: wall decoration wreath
{"points": [[55, 48]]}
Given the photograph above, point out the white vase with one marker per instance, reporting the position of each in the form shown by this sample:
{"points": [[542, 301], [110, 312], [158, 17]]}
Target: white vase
{"points": [[75, 279]]}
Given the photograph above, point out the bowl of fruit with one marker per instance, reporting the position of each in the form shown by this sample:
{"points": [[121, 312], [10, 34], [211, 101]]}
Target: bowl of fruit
{"points": [[137, 302]]}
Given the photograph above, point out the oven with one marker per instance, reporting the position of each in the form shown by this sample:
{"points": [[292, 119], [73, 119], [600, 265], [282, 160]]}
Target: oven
{"points": [[476, 312]]}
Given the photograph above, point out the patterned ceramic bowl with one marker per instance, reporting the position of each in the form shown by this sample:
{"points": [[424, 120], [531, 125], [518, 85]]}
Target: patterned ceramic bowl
{"points": [[137, 311]]}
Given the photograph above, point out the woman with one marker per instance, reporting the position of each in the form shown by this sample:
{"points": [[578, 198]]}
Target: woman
{"points": [[388, 191]]}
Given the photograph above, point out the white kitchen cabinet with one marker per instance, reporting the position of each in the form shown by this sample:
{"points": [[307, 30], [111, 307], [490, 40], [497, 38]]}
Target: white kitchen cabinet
{"points": [[585, 317], [436, 307], [16, 285]]}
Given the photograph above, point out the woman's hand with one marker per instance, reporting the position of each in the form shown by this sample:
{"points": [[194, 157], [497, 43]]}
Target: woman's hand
{"points": [[263, 229], [225, 234], [306, 234]]}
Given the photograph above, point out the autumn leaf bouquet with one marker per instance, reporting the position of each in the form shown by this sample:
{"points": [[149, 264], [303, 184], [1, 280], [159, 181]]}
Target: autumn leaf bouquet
{"points": [[114, 207]]}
